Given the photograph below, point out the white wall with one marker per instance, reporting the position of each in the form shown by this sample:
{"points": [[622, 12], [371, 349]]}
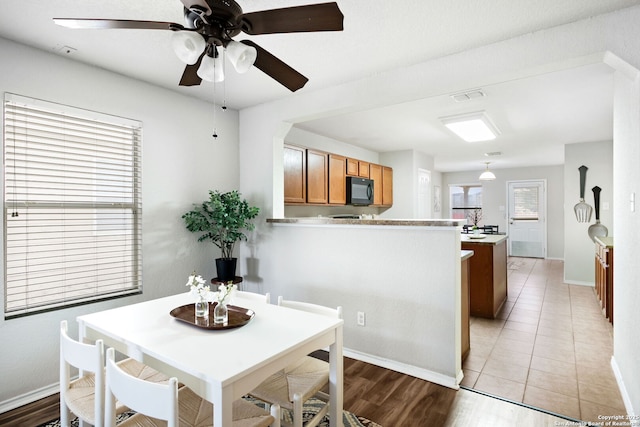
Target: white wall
{"points": [[181, 162], [403, 278], [626, 178], [404, 183], [405, 166], [579, 248], [579, 43], [494, 196]]}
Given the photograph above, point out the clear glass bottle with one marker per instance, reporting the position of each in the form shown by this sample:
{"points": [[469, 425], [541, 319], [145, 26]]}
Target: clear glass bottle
{"points": [[220, 313], [202, 307]]}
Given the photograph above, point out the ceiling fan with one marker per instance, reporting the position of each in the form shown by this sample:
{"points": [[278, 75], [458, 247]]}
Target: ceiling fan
{"points": [[210, 26]]}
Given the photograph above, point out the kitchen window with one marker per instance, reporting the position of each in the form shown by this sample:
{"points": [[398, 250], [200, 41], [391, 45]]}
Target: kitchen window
{"points": [[465, 201], [72, 206]]}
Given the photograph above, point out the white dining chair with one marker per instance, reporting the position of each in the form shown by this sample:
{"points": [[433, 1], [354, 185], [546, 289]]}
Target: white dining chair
{"points": [[154, 402], [302, 380], [254, 296], [84, 396]]}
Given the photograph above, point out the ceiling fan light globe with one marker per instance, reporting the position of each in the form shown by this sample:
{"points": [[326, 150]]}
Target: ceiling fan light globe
{"points": [[211, 69], [187, 46], [241, 56], [206, 70], [218, 65]]}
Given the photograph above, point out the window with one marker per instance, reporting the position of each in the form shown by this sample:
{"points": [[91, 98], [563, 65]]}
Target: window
{"points": [[525, 203], [72, 206], [465, 201]]}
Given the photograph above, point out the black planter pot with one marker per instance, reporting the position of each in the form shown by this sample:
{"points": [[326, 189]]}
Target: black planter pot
{"points": [[226, 268]]}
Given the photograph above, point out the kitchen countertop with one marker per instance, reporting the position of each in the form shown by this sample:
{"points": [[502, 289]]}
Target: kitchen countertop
{"points": [[489, 239], [354, 221], [606, 241], [464, 254]]}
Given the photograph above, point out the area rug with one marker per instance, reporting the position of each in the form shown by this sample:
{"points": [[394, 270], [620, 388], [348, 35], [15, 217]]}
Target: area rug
{"points": [[310, 409]]}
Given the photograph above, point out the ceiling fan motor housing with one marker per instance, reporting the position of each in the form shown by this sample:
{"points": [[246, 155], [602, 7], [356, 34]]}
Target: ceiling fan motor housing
{"points": [[218, 23]]}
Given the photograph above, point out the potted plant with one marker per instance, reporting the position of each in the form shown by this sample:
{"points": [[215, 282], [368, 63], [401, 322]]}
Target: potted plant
{"points": [[222, 219]]}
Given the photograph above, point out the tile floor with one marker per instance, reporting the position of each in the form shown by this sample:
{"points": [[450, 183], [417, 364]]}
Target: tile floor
{"points": [[550, 346]]}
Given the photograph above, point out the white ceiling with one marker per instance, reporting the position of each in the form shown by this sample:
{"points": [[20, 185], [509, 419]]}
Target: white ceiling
{"points": [[536, 116]]}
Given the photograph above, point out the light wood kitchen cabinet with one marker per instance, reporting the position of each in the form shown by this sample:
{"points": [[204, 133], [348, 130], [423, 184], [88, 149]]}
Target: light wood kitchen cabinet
{"points": [[382, 177], [295, 174], [375, 173], [317, 177], [352, 167], [604, 275], [387, 186], [363, 169], [337, 179]]}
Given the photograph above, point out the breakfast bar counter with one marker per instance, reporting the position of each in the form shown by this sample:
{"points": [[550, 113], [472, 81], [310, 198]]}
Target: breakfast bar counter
{"points": [[321, 220]]}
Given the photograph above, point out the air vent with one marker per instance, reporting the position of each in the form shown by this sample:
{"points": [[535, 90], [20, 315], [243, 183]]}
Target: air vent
{"points": [[468, 95], [493, 153]]}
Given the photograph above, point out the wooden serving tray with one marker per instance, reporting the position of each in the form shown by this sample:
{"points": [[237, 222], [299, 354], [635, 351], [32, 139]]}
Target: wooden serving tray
{"points": [[238, 316]]}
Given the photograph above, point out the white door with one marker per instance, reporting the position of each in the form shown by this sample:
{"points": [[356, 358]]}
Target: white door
{"points": [[526, 219], [424, 196]]}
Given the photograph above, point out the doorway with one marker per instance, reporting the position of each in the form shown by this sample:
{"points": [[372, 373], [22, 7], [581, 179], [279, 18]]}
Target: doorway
{"points": [[527, 225]]}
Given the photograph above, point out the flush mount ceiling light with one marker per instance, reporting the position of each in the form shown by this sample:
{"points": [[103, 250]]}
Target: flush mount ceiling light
{"points": [[487, 175], [472, 127]]}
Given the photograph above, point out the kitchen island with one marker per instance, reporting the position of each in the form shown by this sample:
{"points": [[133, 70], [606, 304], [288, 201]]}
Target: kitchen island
{"points": [[487, 273]]}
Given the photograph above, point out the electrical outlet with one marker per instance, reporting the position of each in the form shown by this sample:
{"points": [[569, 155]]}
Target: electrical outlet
{"points": [[361, 318]]}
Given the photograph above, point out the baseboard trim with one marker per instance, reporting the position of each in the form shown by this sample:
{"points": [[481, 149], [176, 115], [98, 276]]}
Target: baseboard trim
{"points": [[623, 390], [27, 398], [580, 283], [414, 371]]}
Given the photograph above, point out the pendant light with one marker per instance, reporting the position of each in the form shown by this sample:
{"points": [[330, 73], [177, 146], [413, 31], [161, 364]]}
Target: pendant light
{"points": [[487, 175]]}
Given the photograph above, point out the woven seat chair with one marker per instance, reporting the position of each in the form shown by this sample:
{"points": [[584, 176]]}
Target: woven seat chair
{"points": [[167, 405], [84, 396], [300, 381]]}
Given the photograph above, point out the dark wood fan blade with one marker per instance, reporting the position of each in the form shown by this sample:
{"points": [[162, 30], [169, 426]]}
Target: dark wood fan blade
{"points": [[99, 24], [276, 69], [313, 17], [190, 75]]}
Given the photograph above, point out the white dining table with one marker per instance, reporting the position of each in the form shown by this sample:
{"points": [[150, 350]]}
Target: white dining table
{"points": [[221, 365]]}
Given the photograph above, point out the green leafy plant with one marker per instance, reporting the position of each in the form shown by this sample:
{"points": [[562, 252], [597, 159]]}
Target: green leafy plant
{"points": [[222, 219]]}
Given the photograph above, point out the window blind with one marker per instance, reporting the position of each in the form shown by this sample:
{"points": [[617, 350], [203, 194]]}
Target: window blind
{"points": [[72, 206], [526, 202]]}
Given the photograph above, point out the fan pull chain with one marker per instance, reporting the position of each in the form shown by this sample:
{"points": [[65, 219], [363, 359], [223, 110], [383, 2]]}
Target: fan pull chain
{"points": [[224, 84], [215, 134]]}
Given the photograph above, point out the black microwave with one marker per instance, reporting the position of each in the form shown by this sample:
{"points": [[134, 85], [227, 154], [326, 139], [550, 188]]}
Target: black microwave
{"points": [[359, 191]]}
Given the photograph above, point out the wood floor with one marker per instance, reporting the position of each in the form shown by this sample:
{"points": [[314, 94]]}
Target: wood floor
{"points": [[386, 397]]}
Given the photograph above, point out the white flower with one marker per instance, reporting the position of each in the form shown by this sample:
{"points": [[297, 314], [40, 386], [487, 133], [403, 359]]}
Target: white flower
{"points": [[198, 289], [225, 292]]}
